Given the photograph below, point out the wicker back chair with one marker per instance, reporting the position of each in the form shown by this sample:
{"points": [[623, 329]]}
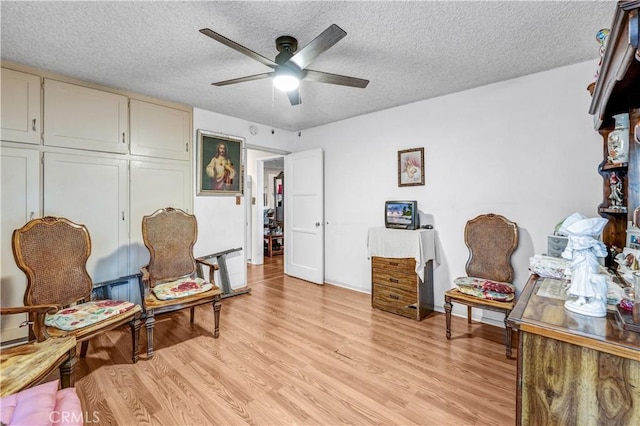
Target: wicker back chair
{"points": [[53, 254], [169, 281], [491, 240]]}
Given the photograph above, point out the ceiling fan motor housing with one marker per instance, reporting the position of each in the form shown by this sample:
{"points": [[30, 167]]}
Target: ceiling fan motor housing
{"points": [[287, 46]]}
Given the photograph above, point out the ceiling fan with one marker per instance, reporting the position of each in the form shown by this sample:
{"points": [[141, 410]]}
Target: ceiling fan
{"points": [[290, 65]]}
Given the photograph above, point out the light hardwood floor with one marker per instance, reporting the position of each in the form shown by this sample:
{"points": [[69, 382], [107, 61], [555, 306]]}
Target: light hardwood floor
{"points": [[293, 352]]}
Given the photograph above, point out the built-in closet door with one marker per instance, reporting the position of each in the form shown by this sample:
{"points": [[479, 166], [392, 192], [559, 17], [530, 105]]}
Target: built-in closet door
{"points": [[159, 131], [155, 185], [20, 113], [84, 118], [92, 191], [20, 198]]}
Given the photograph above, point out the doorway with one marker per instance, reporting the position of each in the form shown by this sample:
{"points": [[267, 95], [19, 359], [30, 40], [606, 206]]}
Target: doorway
{"points": [[263, 166]]}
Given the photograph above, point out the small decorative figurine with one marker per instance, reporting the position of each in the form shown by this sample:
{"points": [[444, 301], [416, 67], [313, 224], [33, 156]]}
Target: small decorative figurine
{"points": [[588, 288], [615, 191]]}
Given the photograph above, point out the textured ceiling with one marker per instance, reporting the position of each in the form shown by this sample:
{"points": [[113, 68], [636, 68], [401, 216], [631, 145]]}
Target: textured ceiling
{"points": [[409, 50]]}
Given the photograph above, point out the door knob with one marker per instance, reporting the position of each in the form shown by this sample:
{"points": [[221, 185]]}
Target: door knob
{"points": [[317, 224]]}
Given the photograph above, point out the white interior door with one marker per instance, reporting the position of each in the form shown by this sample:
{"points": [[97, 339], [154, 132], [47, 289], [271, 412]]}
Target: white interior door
{"points": [[304, 215]]}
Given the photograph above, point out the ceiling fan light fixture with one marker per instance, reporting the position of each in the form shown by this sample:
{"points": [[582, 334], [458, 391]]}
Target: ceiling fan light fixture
{"points": [[286, 82]]}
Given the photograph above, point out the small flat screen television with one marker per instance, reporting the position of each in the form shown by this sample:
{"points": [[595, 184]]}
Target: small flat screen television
{"points": [[401, 215]]}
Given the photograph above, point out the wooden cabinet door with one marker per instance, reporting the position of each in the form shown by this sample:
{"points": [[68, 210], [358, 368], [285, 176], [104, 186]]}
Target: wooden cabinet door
{"points": [[83, 118], [92, 191], [20, 199], [155, 185], [159, 131], [20, 107]]}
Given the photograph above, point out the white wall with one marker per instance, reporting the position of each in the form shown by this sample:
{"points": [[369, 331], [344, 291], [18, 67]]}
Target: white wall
{"points": [[221, 222], [523, 148]]}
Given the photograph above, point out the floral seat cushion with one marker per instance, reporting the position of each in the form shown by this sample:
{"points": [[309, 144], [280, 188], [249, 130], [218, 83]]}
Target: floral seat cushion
{"points": [[181, 288], [486, 289], [86, 314]]}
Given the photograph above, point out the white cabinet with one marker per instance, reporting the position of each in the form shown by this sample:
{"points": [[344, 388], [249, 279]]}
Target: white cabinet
{"points": [[159, 131], [20, 202], [93, 191], [84, 118], [98, 162], [20, 107], [155, 185]]}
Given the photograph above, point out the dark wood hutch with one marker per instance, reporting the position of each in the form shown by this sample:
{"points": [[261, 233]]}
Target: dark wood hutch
{"points": [[616, 91], [575, 369]]}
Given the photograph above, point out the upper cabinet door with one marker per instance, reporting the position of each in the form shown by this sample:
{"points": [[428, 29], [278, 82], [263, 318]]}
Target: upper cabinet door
{"points": [[159, 131], [20, 107], [84, 118]]}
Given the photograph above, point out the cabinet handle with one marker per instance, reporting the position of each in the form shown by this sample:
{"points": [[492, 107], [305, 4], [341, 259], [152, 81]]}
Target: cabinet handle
{"points": [[393, 263], [393, 280], [186, 146], [123, 138], [394, 296], [33, 125], [122, 214], [31, 215]]}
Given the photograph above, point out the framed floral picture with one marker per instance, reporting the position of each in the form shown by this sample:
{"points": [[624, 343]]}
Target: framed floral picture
{"points": [[411, 167], [220, 165]]}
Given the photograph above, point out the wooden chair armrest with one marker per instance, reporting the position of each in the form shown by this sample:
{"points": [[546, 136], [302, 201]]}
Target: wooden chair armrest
{"points": [[38, 309], [212, 267], [36, 317]]}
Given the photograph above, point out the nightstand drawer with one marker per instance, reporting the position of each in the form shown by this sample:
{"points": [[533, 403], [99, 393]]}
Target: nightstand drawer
{"points": [[405, 264], [394, 300], [401, 281]]}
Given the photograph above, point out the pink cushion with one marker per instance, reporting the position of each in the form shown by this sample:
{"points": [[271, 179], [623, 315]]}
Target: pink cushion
{"points": [[42, 405], [31, 406], [69, 410]]}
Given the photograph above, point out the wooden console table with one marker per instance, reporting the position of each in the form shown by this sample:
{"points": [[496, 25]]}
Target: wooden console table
{"points": [[270, 240], [402, 270], [573, 369]]}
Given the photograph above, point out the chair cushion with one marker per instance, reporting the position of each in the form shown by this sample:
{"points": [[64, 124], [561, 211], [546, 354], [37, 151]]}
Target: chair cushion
{"points": [[42, 405], [181, 288], [486, 289], [86, 314]]}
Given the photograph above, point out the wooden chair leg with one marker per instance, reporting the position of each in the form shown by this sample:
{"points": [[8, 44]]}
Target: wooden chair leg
{"points": [[84, 347], [508, 335], [149, 321], [67, 376], [468, 314], [216, 316], [192, 314], [447, 311], [135, 337]]}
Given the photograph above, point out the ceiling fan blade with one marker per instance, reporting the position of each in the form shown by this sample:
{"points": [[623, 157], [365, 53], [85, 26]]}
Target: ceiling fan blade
{"points": [[324, 41], [343, 80], [243, 79], [240, 48], [294, 97]]}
